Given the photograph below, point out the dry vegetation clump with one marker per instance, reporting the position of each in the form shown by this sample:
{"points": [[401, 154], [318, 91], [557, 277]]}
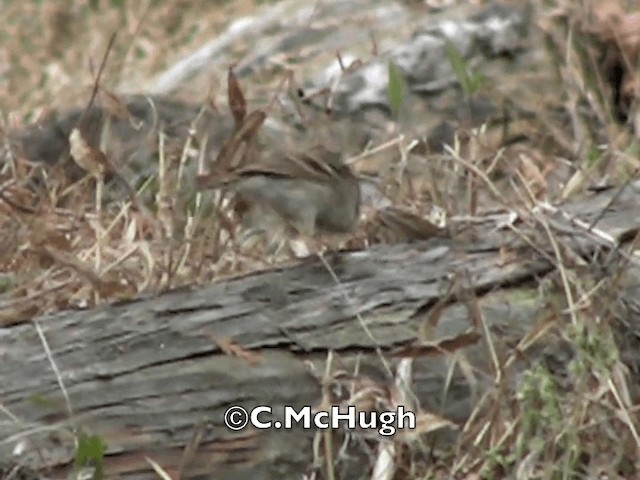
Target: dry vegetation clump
{"points": [[47, 45], [579, 420], [67, 244]]}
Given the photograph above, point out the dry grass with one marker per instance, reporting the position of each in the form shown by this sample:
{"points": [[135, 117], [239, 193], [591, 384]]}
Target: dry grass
{"points": [[64, 246], [48, 46]]}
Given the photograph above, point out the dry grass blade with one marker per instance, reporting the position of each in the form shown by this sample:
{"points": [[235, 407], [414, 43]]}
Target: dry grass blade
{"points": [[384, 468], [96, 83], [161, 472], [447, 345], [361, 320], [191, 448], [54, 366]]}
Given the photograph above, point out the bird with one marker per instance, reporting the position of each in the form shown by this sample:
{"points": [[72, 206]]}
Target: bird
{"points": [[314, 191]]}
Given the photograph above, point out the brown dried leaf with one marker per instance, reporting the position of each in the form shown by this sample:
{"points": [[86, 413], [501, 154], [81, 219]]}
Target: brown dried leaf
{"points": [[237, 102], [92, 160]]}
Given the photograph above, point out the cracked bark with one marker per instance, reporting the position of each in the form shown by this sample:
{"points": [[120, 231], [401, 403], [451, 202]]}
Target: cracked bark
{"points": [[146, 374]]}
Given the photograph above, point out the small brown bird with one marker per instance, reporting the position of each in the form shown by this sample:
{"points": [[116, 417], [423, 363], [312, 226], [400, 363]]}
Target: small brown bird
{"points": [[314, 191]]}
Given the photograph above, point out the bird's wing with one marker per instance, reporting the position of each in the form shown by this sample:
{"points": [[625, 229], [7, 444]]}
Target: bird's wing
{"points": [[317, 165]]}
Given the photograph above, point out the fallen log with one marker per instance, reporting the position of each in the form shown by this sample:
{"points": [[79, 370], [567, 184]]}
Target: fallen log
{"points": [[153, 377]]}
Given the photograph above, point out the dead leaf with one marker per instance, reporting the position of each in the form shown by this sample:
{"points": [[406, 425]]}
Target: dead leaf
{"points": [[237, 102], [91, 160]]}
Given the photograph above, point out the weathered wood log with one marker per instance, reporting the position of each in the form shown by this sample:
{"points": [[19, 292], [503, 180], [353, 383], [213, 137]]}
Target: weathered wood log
{"points": [[145, 374]]}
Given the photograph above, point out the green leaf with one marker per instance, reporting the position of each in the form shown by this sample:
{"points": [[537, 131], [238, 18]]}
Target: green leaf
{"points": [[477, 79], [396, 89], [593, 155], [91, 449], [45, 402], [7, 282], [469, 84]]}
